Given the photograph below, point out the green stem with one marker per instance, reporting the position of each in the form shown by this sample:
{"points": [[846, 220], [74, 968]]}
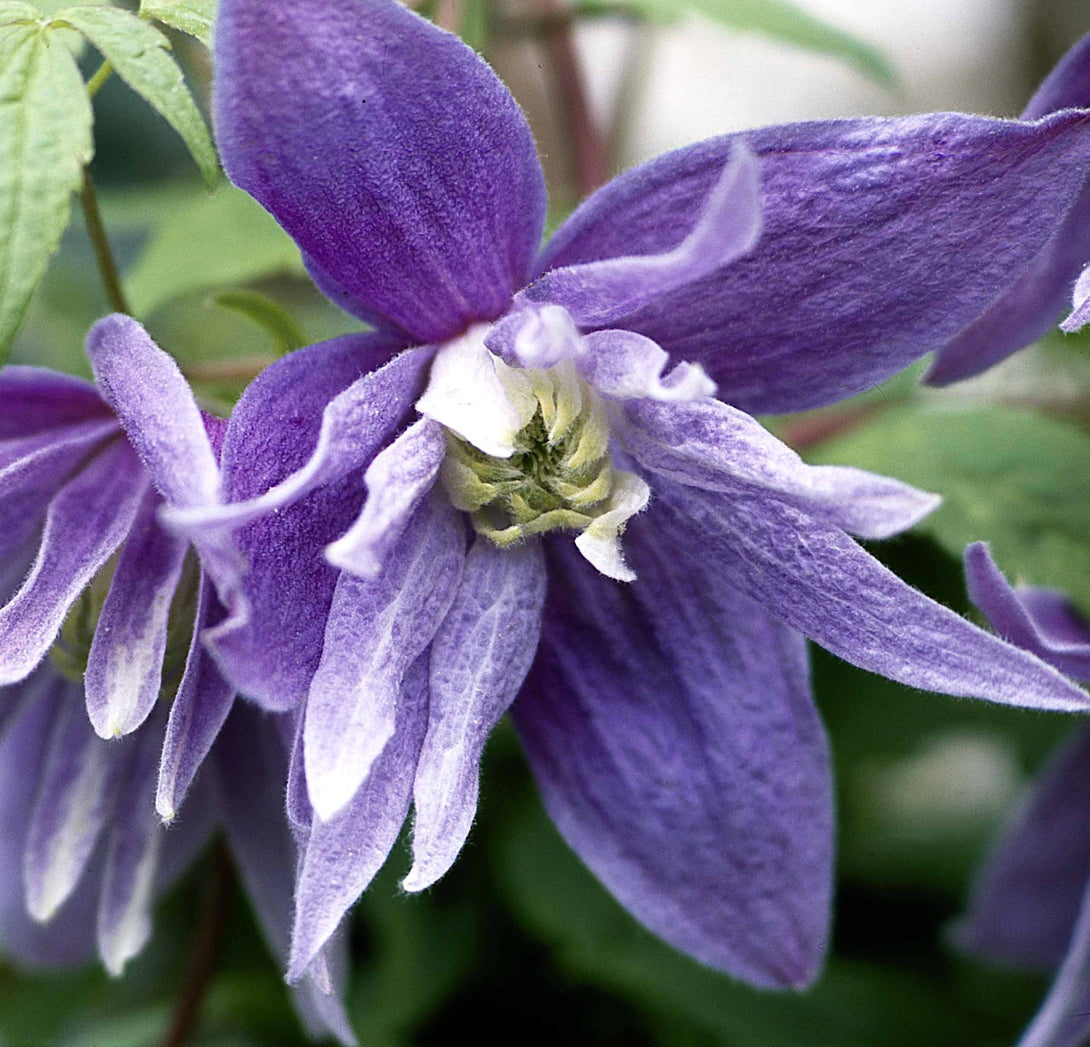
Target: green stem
{"points": [[107, 268], [102, 74]]}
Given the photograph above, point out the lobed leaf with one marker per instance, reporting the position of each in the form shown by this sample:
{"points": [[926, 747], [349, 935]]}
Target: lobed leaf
{"points": [[1016, 480], [194, 17], [12, 11], [45, 140], [140, 55], [779, 19]]}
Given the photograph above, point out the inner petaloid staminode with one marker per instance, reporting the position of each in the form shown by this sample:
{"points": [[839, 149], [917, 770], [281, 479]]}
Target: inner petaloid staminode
{"points": [[528, 451]]}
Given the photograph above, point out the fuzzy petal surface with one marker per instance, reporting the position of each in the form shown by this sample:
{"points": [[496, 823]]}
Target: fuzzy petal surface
{"points": [[272, 649], [377, 629], [818, 580], [389, 151], [670, 729], [479, 658], [34, 399], [709, 445], [344, 853], [883, 239], [86, 521]]}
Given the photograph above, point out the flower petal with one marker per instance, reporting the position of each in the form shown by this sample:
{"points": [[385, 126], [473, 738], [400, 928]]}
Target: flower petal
{"points": [[625, 365], [883, 239], [1025, 904], [1040, 620], [79, 785], [132, 857], [388, 150], [125, 664], [1032, 305], [377, 628], [817, 580], [271, 647], [156, 408], [397, 479], [710, 445], [344, 853], [34, 399], [1080, 304], [86, 522], [598, 293], [479, 659], [670, 729], [197, 713]]}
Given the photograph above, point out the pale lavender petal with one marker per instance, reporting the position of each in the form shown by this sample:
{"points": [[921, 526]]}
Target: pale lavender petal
{"points": [[344, 853], [156, 408], [710, 445], [727, 225], [197, 713], [85, 523], [1035, 301], [817, 580], [125, 664], [33, 399], [388, 150], [1064, 1018], [883, 239], [33, 468], [272, 650], [398, 478], [625, 365], [479, 658], [68, 939], [670, 729], [1025, 904], [376, 631], [1039, 620], [132, 856], [1080, 304], [535, 336], [76, 798]]}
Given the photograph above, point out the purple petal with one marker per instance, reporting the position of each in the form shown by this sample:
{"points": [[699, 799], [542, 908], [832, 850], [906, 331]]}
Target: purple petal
{"points": [[33, 399], [1034, 302], [670, 729], [1025, 903], [376, 631], [398, 478], [68, 938], [479, 658], [199, 709], [709, 445], [388, 150], [625, 365], [882, 240], [125, 664], [344, 853], [1039, 620], [132, 858], [156, 408], [79, 785], [597, 293], [85, 523], [817, 580], [33, 468], [272, 435]]}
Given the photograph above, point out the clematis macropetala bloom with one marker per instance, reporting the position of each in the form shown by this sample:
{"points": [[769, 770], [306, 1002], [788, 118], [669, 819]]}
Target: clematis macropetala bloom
{"points": [[520, 490], [1031, 904]]}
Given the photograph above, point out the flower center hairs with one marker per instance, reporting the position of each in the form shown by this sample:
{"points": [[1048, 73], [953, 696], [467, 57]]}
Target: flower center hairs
{"points": [[528, 451]]}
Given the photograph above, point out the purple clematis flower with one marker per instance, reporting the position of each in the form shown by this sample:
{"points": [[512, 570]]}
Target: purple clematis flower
{"points": [[1031, 905], [512, 486]]}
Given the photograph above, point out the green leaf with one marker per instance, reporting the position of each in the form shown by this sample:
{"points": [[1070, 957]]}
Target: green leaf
{"points": [[140, 54], [45, 140], [225, 238], [16, 11], [278, 323], [194, 17], [1016, 480], [776, 18]]}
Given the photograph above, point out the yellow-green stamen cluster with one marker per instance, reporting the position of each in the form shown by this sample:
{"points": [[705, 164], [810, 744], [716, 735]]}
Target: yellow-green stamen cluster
{"points": [[560, 476]]}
